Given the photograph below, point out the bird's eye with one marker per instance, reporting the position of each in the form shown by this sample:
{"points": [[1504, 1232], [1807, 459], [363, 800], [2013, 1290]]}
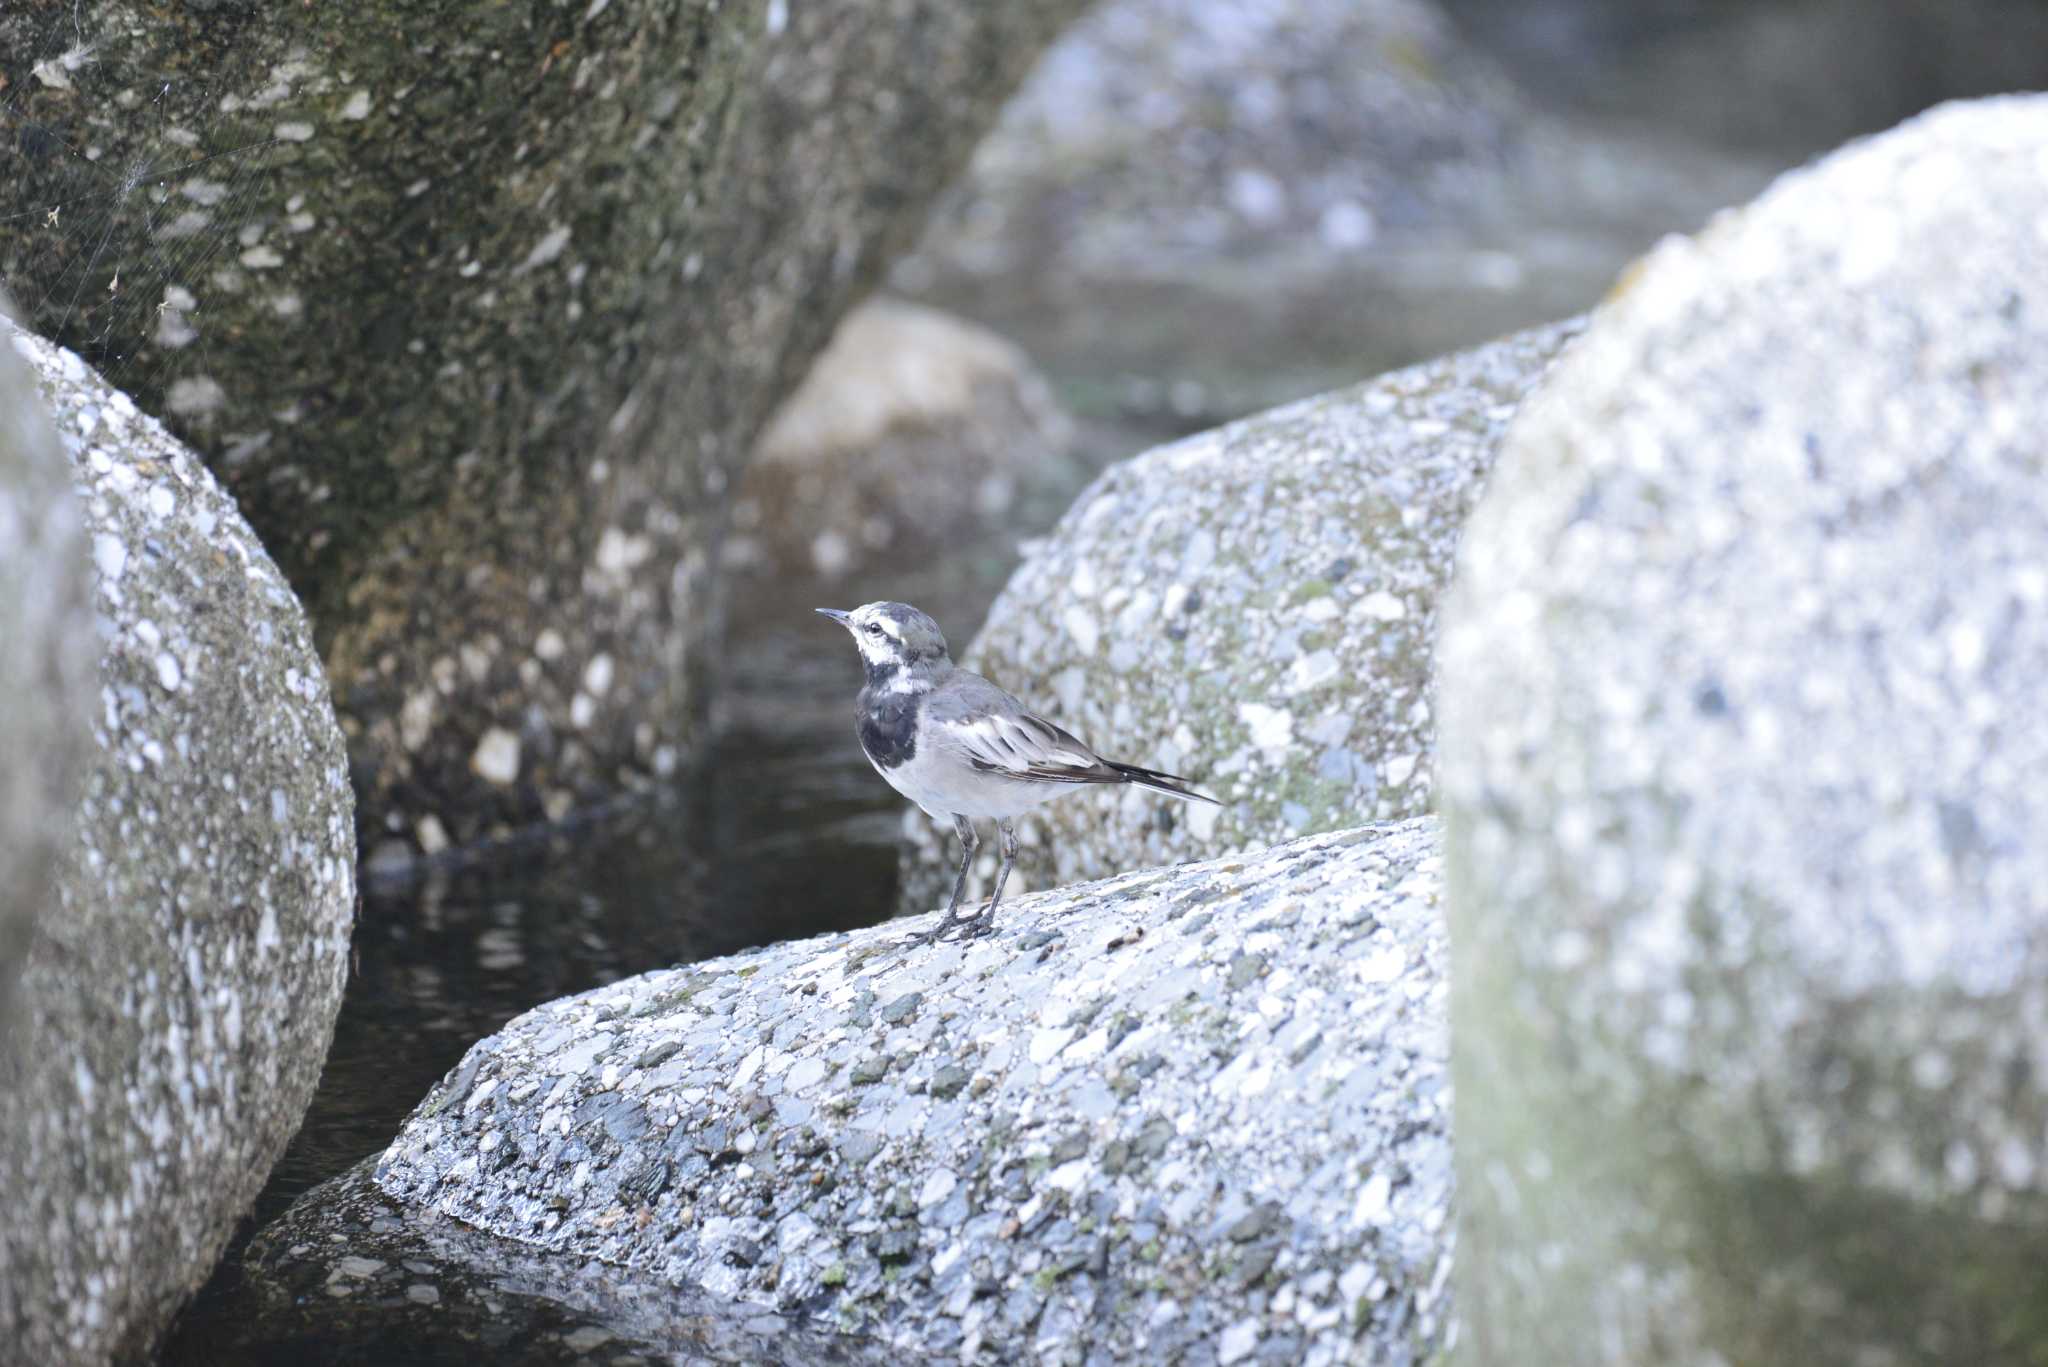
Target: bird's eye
{"points": [[874, 628]]}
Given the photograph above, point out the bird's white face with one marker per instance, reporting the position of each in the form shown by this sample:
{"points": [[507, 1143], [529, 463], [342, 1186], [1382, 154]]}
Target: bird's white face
{"points": [[878, 636], [891, 634]]}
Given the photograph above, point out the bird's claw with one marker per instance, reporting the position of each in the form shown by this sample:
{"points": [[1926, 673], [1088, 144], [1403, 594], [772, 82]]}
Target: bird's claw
{"points": [[969, 928], [932, 936]]}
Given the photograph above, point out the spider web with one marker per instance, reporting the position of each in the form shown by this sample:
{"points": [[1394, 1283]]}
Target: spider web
{"points": [[112, 255]]}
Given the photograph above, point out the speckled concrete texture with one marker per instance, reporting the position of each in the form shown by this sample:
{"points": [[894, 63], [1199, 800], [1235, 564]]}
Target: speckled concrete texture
{"points": [[180, 994], [1743, 745], [46, 665], [1192, 1115], [1254, 608]]}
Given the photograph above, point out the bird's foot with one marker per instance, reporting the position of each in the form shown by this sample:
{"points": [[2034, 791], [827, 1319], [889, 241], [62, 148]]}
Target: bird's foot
{"points": [[974, 927], [932, 936], [970, 928]]}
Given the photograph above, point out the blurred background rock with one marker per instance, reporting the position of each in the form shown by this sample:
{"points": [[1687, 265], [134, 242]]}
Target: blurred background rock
{"points": [[1193, 211], [1784, 78], [914, 432]]}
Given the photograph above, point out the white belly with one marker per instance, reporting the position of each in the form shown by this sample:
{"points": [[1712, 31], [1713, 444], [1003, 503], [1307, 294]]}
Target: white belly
{"points": [[950, 788]]}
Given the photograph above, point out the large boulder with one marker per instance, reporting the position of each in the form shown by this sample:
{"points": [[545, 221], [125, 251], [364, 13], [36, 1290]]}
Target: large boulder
{"points": [[914, 433], [1191, 1114], [477, 316], [46, 667], [181, 988], [1254, 608], [1742, 748]]}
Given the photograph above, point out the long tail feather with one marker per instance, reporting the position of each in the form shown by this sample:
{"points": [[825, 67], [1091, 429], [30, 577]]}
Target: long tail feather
{"points": [[1160, 783]]}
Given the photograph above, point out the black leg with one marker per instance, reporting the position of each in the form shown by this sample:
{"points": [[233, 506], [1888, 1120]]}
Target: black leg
{"points": [[985, 922], [969, 842]]}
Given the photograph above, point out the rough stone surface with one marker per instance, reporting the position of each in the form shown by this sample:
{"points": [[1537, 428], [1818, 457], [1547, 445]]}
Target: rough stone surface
{"points": [[914, 431], [1743, 739], [1202, 1107], [1253, 608], [348, 1276], [46, 665], [475, 307], [180, 994]]}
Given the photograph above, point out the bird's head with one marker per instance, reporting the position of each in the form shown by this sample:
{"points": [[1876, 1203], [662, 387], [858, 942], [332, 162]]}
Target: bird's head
{"points": [[892, 635]]}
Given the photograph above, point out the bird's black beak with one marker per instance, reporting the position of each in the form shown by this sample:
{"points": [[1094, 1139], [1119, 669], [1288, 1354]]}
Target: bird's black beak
{"points": [[835, 614]]}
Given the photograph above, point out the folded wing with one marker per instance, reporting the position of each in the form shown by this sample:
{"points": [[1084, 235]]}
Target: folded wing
{"points": [[995, 734], [1021, 746]]}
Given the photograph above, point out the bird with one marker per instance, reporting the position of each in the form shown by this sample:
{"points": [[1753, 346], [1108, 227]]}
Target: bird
{"points": [[963, 749]]}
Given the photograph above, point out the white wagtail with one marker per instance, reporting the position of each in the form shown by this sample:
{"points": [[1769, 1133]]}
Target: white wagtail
{"points": [[959, 747]]}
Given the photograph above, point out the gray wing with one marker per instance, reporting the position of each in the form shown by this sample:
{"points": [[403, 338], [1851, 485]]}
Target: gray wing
{"points": [[996, 735]]}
